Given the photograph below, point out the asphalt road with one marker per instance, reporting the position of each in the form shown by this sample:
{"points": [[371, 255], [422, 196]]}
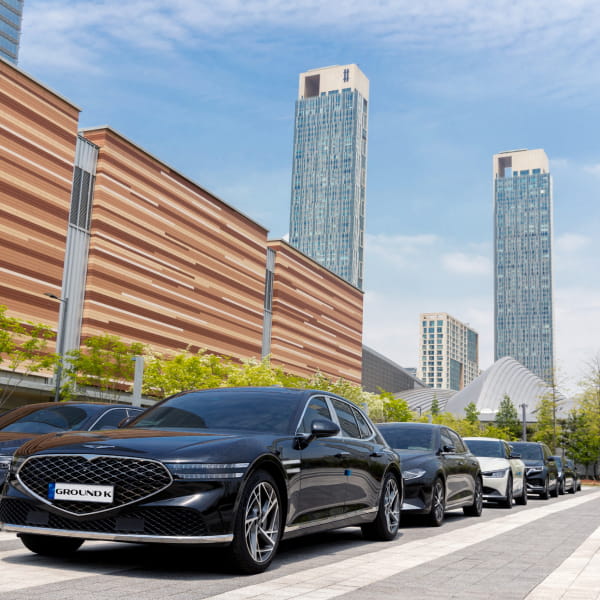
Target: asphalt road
{"points": [[545, 550]]}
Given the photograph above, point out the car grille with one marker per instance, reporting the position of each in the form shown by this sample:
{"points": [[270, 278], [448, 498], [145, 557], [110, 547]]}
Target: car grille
{"points": [[133, 479], [158, 521]]}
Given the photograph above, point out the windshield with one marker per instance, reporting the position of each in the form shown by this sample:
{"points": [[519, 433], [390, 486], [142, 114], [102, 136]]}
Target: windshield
{"points": [[488, 448], [244, 410], [49, 420], [408, 437], [528, 451]]}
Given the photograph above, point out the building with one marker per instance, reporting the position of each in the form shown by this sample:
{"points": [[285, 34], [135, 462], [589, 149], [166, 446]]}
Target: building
{"points": [[449, 352], [381, 373], [128, 246], [11, 14], [523, 311], [327, 216]]}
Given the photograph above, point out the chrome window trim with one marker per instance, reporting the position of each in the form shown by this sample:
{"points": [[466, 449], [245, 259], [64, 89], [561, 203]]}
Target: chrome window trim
{"points": [[91, 427], [336, 420], [91, 457], [121, 537]]}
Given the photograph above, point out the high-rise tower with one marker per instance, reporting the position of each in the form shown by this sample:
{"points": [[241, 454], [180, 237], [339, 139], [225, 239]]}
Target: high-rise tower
{"points": [[11, 13], [449, 352], [523, 260], [327, 216]]}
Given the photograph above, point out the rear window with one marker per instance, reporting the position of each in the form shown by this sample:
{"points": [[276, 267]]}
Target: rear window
{"points": [[405, 437]]}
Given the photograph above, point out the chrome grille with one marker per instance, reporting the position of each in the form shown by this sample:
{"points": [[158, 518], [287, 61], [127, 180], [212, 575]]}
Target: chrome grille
{"points": [[133, 479]]}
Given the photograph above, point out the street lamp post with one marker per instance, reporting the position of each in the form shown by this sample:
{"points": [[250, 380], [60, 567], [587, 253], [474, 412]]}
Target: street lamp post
{"points": [[524, 411], [60, 342]]}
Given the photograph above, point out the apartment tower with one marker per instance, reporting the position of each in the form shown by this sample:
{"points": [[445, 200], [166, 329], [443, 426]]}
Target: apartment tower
{"points": [[11, 13], [523, 260], [449, 352], [327, 216]]}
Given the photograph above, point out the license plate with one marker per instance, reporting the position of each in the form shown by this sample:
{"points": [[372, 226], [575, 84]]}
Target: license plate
{"points": [[77, 492]]}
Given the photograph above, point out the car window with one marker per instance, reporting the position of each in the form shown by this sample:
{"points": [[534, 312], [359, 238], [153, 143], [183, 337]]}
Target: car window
{"points": [[316, 409], [49, 420], [486, 448], [408, 437], [457, 441], [446, 439], [365, 430], [110, 419], [346, 418], [528, 451]]}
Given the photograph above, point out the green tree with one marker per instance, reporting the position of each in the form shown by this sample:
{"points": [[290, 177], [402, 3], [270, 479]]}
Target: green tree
{"points": [[580, 438], [589, 409], [395, 409], [435, 406], [472, 414], [23, 351], [105, 364], [507, 418]]}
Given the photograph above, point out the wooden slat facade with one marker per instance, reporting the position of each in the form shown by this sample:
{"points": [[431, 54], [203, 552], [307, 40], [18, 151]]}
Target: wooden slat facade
{"points": [[170, 265], [38, 133], [317, 318]]}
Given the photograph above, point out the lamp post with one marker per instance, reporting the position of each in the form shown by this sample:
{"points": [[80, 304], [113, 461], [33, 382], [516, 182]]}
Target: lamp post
{"points": [[524, 411], [60, 341]]}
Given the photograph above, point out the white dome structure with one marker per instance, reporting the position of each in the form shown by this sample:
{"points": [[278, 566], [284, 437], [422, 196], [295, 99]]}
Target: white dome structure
{"points": [[506, 377]]}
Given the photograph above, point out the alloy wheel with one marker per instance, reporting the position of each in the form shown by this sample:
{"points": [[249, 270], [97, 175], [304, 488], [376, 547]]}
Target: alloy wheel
{"points": [[391, 503], [261, 522]]}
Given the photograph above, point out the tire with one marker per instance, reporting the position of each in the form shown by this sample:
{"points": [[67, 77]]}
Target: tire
{"points": [[522, 499], [546, 493], [475, 509], [573, 486], [50, 545], [508, 502], [554, 492], [385, 526], [435, 517], [561, 487], [257, 527]]}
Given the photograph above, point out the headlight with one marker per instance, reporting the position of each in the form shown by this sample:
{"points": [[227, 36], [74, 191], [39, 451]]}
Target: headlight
{"points": [[534, 470], [413, 474], [4, 466], [499, 473], [206, 471]]}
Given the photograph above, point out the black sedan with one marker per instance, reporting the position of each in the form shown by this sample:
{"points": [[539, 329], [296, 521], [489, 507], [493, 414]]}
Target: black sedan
{"points": [[241, 467], [439, 471], [26, 422]]}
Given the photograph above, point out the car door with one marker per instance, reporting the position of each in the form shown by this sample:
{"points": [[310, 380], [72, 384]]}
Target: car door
{"points": [[460, 481], [322, 481], [517, 467], [361, 450]]}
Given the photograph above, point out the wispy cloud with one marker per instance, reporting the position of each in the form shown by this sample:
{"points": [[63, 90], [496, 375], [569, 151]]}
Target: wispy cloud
{"points": [[467, 264]]}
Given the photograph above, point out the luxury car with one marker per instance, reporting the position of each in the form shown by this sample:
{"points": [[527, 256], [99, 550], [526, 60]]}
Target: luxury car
{"points": [[502, 469], [567, 478], [439, 471], [26, 422], [240, 467], [541, 473]]}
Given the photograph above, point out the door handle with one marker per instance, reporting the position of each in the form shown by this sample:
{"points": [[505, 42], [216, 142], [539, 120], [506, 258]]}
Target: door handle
{"points": [[376, 454], [342, 454]]}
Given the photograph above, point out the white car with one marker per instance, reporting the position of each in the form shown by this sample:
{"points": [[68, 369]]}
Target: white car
{"points": [[503, 471]]}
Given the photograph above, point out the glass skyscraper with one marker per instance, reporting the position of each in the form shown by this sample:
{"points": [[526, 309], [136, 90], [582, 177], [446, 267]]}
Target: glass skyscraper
{"points": [[523, 260], [327, 216], [11, 12]]}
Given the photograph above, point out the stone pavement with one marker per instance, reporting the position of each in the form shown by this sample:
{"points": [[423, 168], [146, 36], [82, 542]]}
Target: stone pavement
{"points": [[545, 551]]}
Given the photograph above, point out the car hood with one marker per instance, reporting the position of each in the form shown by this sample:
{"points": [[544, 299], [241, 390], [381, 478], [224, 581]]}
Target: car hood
{"points": [[10, 441], [412, 458], [533, 462], [489, 463], [144, 443]]}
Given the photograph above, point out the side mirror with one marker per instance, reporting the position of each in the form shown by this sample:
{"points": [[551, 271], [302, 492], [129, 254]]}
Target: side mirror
{"points": [[551, 459], [124, 422], [513, 455], [323, 428], [319, 428], [448, 449]]}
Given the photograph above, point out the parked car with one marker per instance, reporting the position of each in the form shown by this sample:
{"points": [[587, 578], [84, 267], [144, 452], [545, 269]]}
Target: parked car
{"points": [[241, 467], [540, 468], [26, 422], [439, 471], [570, 465], [502, 469], [567, 476]]}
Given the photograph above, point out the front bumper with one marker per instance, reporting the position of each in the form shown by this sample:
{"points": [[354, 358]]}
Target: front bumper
{"points": [[121, 537], [494, 488]]}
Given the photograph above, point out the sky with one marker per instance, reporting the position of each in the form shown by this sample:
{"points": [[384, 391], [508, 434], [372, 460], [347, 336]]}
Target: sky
{"points": [[209, 88]]}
